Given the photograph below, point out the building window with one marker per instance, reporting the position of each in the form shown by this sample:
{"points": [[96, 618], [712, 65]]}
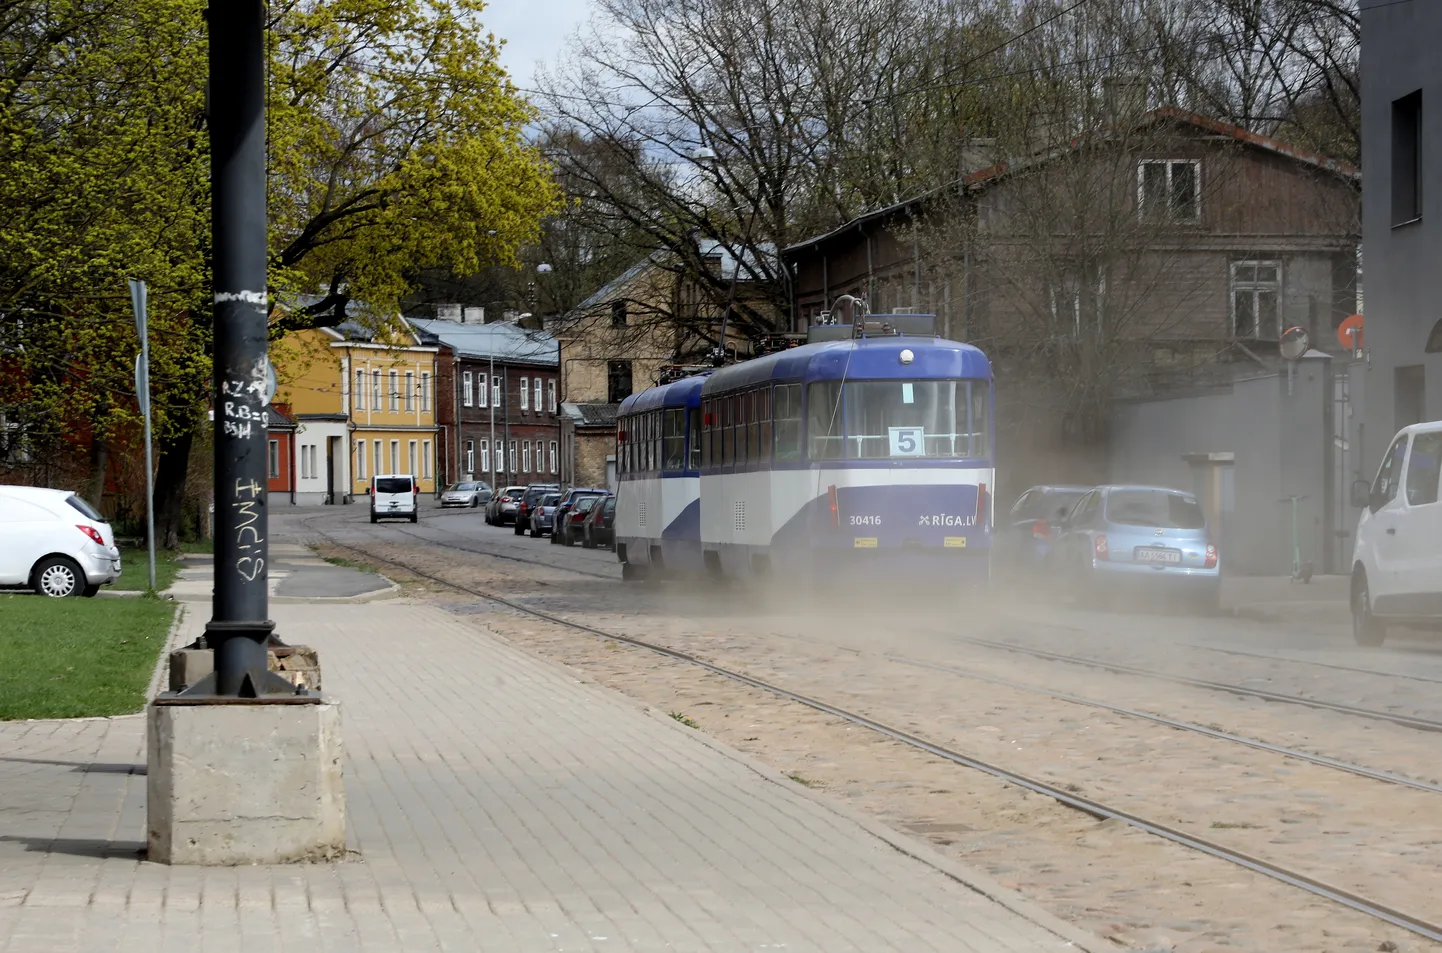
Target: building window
{"points": [[618, 314], [512, 454], [425, 459], [395, 457], [470, 457], [525, 456], [274, 459], [360, 459], [395, 392], [618, 381], [551, 396], [555, 464], [525, 394], [425, 392], [1167, 190], [375, 390], [481, 394], [411, 458], [358, 394], [496, 393], [536, 384], [1256, 298], [410, 391], [485, 456], [467, 389], [380, 461], [304, 463], [1407, 158]]}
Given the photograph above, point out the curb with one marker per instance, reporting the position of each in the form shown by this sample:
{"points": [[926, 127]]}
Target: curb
{"points": [[161, 665], [917, 850]]}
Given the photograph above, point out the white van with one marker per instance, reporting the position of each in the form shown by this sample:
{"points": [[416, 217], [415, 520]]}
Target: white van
{"points": [[54, 542], [395, 496], [1397, 560]]}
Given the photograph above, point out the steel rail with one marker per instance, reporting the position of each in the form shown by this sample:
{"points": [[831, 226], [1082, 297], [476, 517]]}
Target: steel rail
{"points": [[1317, 759], [1306, 661], [1409, 721], [1096, 809]]}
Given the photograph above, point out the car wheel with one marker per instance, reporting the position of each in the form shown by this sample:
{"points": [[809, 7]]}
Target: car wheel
{"points": [[587, 542], [58, 578], [374, 518], [1367, 629], [520, 530], [415, 516]]}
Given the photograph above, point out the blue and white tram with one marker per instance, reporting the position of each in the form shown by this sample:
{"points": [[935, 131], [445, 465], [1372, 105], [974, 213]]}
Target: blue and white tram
{"points": [[658, 469], [870, 453]]}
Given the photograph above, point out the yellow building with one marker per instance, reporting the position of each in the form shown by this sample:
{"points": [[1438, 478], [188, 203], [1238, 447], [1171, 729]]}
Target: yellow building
{"points": [[364, 404]]}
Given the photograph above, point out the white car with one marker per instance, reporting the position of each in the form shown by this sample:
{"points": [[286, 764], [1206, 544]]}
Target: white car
{"points": [[54, 542], [1397, 559], [395, 496]]}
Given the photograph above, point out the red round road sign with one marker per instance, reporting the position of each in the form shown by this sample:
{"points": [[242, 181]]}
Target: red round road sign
{"points": [[1349, 333]]}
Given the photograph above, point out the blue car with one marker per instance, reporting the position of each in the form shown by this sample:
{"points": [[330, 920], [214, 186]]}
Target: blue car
{"points": [[1023, 538], [1139, 541]]}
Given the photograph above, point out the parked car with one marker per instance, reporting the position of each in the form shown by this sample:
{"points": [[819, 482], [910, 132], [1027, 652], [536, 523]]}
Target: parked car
{"points": [[570, 520], [1024, 537], [543, 515], [1143, 540], [471, 493], [599, 528], [533, 495], [395, 496], [1397, 558], [502, 507], [54, 542], [566, 518]]}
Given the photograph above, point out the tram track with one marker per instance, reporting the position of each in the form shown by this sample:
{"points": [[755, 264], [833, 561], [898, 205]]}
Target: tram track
{"points": [[1294, 878], [1303, 661]]}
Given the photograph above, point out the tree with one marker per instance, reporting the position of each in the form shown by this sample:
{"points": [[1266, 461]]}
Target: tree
{"points": [[396, 144]]}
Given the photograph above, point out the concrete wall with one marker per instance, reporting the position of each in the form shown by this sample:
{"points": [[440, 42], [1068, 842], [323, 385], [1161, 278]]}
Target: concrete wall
{"points": [[1403, 281], [1282, 445]]}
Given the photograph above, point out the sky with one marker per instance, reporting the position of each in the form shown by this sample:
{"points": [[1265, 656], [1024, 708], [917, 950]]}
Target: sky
{"points": [[533, 30]]}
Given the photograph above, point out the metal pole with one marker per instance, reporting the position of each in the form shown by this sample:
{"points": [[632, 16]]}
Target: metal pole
{"points": [[239, 628], [491, 403], [139, 299]]}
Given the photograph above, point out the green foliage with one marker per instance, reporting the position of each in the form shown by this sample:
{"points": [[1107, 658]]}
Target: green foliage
{"points": [[396, 145]]}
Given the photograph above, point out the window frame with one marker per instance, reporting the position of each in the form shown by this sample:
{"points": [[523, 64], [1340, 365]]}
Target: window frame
{"points": [[410, 392], [485, 456], [1255, 287], [273, 459], [470, 457], [525, 394], [425, 460], [467, 389], [1169, 217], [412, 450], [425, 392], [393, 378], [482, 390], [361, 451], [555, 456], [375, 390], [536, 393], [525, 456], [551, 396]]}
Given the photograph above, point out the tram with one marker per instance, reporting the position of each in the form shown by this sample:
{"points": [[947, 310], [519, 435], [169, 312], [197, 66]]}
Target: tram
{"points": [[868, 449], [658, 472]]}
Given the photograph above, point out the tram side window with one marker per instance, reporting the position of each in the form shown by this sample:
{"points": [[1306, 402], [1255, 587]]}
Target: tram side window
{"points": [[628, 434], [753, 424], [762, 433], [674, 440], [650, 445], [621, 444], [656, 417], [743, 413], [728, 438], [788, 421], [693, 435], [823, 420], [708, 432]]}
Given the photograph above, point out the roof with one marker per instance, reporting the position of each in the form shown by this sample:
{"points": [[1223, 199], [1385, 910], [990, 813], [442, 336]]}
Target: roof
{"points": [[500, 341], [983, 178], [707, 248], [685, 392], [856, 359], [613, 287], [279, 418], [591, 414]]}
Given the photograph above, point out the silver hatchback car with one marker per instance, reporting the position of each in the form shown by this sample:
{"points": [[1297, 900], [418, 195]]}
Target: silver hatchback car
{"points": [[1139, 540]]}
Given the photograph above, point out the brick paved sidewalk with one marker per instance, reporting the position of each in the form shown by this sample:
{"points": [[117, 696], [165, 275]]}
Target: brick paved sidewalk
{"points": [[497, 804]]}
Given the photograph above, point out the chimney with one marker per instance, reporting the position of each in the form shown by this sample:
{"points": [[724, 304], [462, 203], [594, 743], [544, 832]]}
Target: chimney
{"points": [[713, 263], [449, 312], [1124, 97], [977, 154], [473, 315]]}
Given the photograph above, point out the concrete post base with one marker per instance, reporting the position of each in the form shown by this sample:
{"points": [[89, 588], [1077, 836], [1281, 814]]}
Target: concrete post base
{"points": [[244, 783]]}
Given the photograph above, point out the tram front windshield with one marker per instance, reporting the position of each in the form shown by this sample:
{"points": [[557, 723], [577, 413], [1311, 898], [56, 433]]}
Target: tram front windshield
{"points": [[880, 420]]}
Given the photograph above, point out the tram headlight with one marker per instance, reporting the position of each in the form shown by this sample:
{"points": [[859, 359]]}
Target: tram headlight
{"points": [[907, 356]]}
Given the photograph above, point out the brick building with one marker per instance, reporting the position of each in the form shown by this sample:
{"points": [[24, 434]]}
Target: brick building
{"points": [[498, 400]]}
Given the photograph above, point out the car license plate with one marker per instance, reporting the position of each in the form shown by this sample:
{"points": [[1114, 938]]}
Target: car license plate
{"points": [[1157, 555]]}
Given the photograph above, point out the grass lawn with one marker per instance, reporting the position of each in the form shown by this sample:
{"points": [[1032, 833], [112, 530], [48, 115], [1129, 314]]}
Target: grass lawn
{"points": [[135, 569], [71, 658]]}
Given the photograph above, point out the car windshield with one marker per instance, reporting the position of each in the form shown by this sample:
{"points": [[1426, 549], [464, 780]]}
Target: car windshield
{"points": [[608, 507], [465, 487], [1154, 508], [585, 503], [551, 499], [514, 493], [86, 510], [1050, 504], [393, 484]]}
